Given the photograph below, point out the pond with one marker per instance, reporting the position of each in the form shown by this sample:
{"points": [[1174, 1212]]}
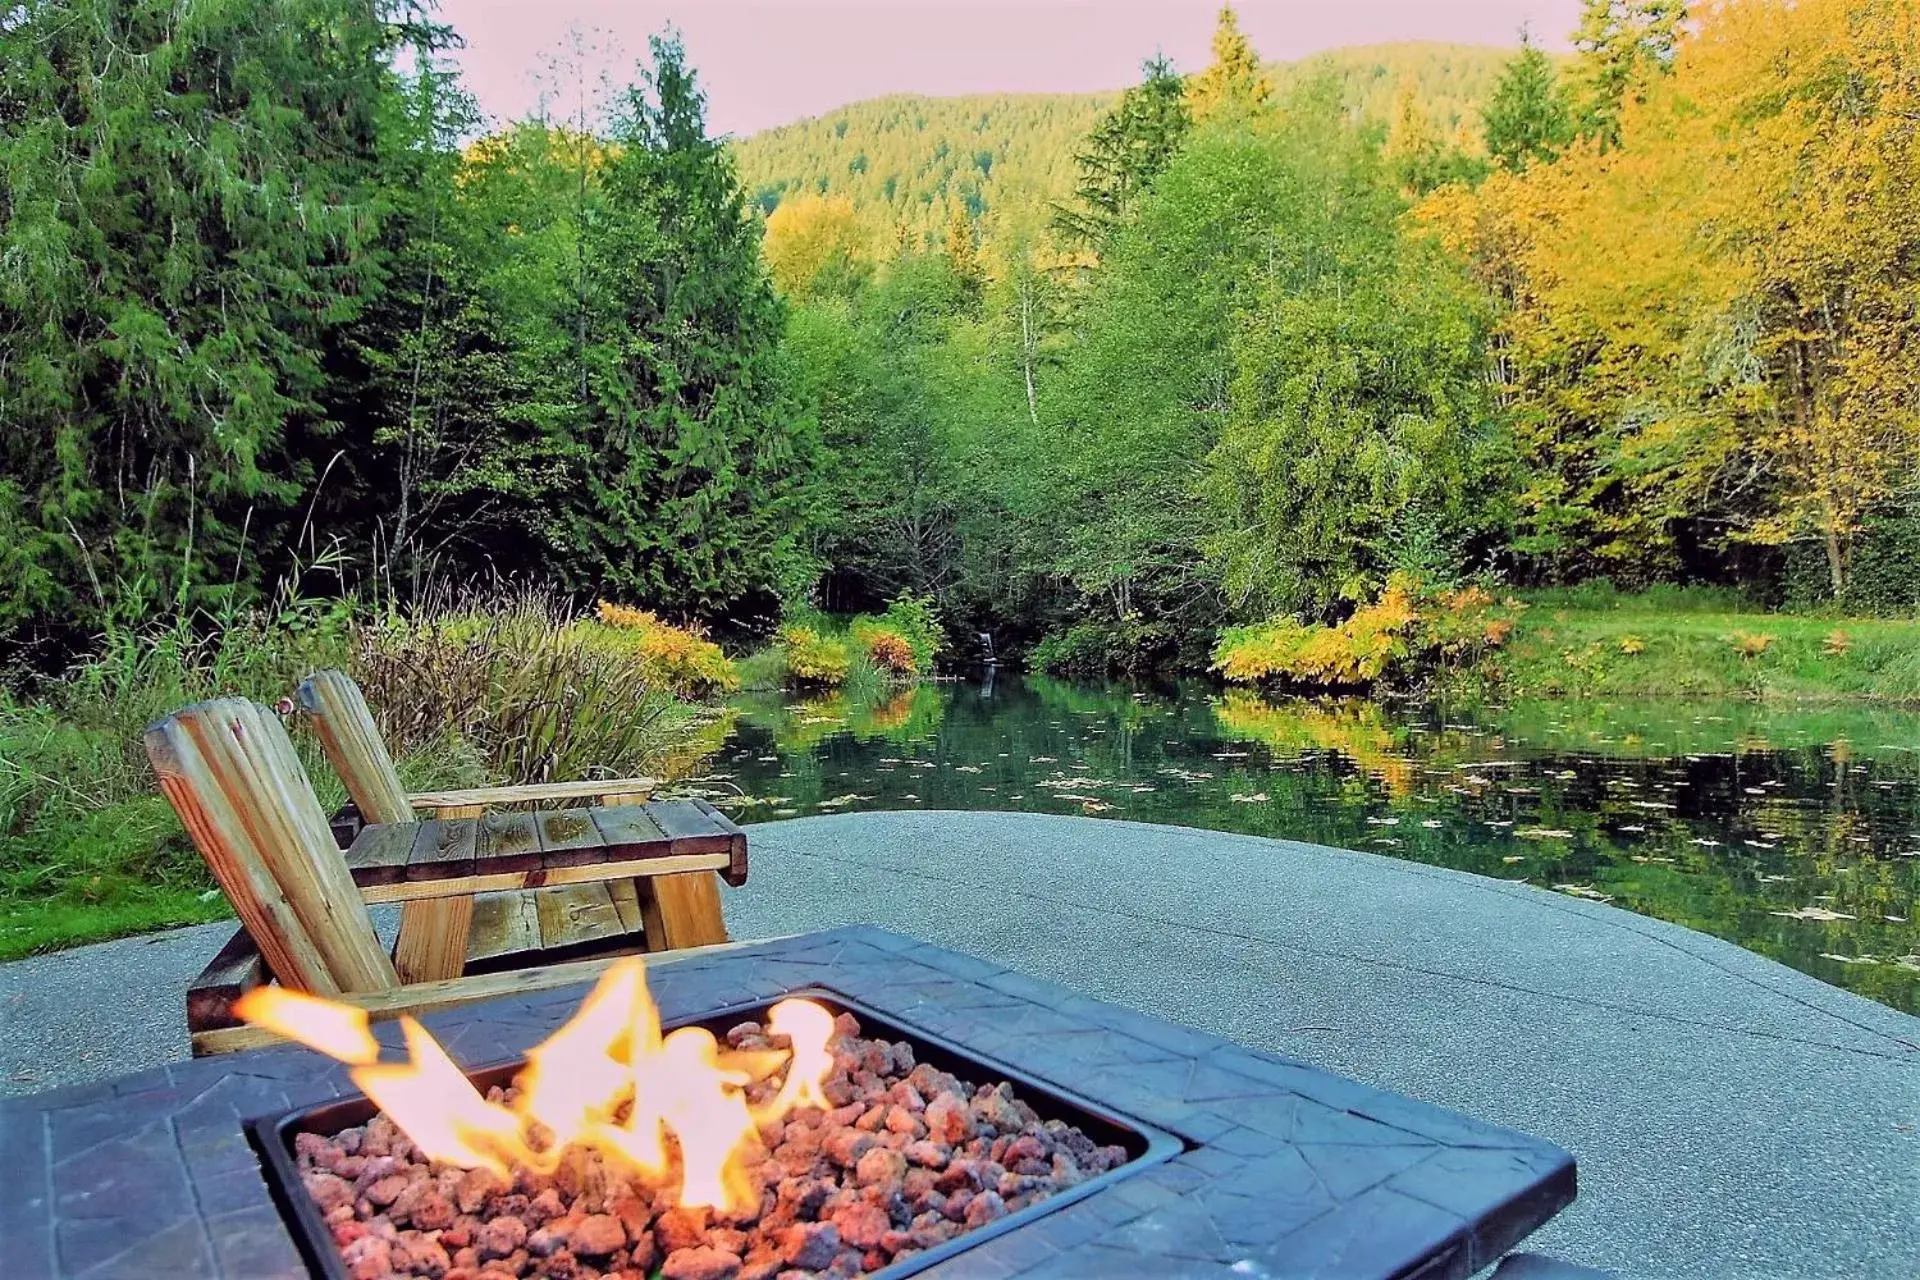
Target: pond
{"points": [[1795, 833]]}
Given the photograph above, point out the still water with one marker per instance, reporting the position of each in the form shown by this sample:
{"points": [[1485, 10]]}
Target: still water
{"points": [[1794, 833]]}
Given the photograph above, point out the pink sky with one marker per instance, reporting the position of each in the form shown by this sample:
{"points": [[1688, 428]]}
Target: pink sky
{"points": [[768, 62]]}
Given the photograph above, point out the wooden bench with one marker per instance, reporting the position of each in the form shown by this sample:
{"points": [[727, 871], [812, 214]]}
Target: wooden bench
{"points": [[441, 936], [230, 771], [595, 897]]}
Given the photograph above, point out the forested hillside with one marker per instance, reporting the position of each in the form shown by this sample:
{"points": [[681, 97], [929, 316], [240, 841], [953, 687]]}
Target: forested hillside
{"points": [[905, 161]]}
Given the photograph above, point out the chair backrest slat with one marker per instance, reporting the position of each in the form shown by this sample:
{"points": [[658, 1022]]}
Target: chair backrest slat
{"points": [[354, 747], [232, 775]]}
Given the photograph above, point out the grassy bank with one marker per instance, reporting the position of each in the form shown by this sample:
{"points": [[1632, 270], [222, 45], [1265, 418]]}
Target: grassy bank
{"points": [[1589, 641], [517, 690], [1697, 644]]}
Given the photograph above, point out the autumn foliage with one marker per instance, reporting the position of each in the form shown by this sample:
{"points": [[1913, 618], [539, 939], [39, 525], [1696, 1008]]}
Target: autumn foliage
{"points": [[1708, 303], [1410, 627], [681, 657]]}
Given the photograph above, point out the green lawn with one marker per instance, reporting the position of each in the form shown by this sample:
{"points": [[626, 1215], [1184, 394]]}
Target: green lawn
{"points": [[1702, 644]]}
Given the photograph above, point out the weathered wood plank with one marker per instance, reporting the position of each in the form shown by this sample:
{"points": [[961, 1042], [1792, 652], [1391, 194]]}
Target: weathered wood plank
{"points": [[576, 915], [443, 849], [629, 831], [626, 900], [690, 830], [353, 746], [569, 838], [379, 854], [508, 842], [495, 882], [503, 924], [234, 970], [736, 872], [535, 792]]}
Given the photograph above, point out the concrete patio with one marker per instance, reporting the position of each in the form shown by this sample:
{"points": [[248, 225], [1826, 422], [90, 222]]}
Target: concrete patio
{"points": [[1731, 1117]]}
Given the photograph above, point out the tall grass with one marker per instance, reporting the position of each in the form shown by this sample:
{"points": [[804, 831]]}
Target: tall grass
{"points": [[466, 690]]}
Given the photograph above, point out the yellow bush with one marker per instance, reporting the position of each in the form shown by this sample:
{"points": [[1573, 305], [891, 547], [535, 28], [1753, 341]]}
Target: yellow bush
{"points": [[1408, 621], [679, 657], [1750, 646], [814, 659]]}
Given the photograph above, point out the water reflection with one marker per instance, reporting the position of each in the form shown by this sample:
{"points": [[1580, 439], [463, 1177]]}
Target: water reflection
{"points": [[1793, 833]]}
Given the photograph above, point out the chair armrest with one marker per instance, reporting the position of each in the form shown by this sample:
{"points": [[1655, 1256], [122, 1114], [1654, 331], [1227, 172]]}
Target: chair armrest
{"points": [[534, 793]]}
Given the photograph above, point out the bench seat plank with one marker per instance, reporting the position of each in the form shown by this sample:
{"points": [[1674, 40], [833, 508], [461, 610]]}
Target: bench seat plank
{"points": [[508, 842], [379, 854], [533, 793], [443, 849]]}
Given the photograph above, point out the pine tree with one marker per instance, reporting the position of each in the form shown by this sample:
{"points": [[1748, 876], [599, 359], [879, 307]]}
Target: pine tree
{"points": [[1125, 152], [1622, 44], [690, 452], [1235, 82], [1527, 119], [189, 209], [960, 248]]}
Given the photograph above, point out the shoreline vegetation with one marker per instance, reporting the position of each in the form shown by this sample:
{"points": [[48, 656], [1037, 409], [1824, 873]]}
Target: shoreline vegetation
{"points": [[1590, 641], [524, 688], [467, 692]]}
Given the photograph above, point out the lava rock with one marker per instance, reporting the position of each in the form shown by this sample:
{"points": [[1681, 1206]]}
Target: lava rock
{"points": [[701, 1263]]}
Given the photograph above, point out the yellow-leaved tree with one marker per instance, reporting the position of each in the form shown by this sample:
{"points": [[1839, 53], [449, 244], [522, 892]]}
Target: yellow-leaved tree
{"points": [[1705, 319], [813, 243], [1235, 81]]}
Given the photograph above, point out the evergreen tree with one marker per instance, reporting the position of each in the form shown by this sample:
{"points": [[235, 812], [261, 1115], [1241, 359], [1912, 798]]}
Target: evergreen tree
{"points": [[188, 211], [1419, 157], [1125, 152], [690, 452], [960, 248], [1236, 81], [1527, 119], [1622, 45], [422, 383]]}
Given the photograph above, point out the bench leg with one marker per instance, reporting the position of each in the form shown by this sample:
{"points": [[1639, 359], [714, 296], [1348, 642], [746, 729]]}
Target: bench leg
{"points": [[682, 910], [433, 931], [433, 939]]}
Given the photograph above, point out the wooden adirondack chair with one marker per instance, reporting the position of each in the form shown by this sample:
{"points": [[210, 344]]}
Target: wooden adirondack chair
{"points": [[442, 937], [231, 773]]}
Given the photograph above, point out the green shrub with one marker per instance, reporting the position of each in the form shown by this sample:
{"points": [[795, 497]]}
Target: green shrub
{"points": [[914, 618], [1129, 647], [814, 659]]}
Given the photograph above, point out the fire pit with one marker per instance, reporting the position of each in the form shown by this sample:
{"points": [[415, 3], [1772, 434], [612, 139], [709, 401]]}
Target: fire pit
{"points": [[1237, 1162], [913, 1165]]}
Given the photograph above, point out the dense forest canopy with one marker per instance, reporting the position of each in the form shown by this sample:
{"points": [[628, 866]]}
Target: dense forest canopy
{"points": [[905, 161], [1105, 374]]}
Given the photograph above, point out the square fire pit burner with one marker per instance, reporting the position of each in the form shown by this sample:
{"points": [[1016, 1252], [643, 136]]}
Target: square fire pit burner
{"points": [[276, 1137]]}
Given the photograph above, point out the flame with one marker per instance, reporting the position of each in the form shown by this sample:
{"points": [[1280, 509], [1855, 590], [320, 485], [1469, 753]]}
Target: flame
{"points": [[606, 1080], [337, 1030]]}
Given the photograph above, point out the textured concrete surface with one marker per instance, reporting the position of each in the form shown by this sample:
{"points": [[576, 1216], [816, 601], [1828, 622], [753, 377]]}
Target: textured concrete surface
{"points": [[1732, 1117]]}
